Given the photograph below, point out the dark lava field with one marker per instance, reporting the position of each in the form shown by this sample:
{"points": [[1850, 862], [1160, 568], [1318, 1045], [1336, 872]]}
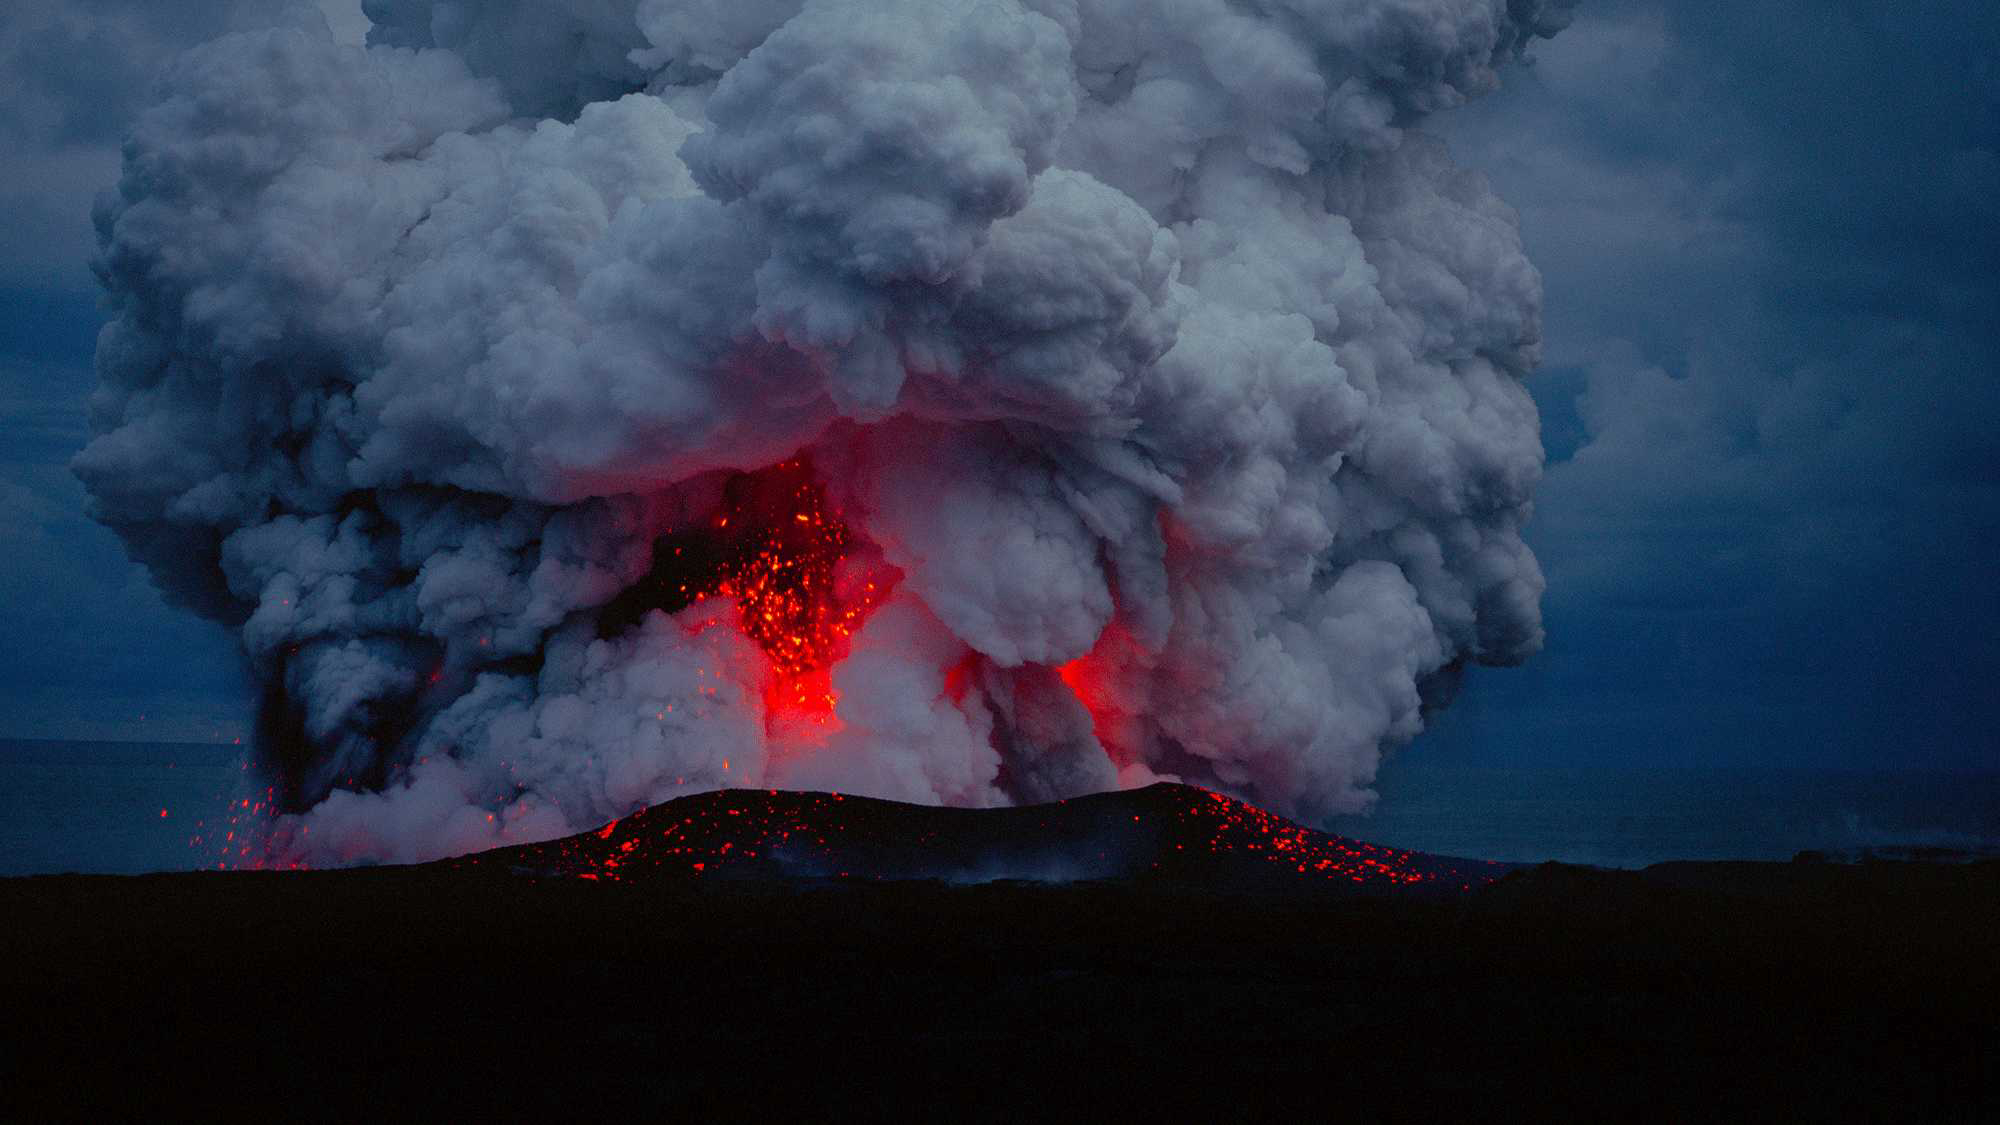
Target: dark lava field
{"points": [[1163, 954]]}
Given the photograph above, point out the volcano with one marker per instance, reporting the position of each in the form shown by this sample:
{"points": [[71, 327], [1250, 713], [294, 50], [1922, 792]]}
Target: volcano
{"points": [[1166, 832], [571, 405]]}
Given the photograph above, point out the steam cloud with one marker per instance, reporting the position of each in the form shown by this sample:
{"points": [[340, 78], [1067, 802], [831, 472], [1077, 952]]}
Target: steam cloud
{"points": [[1165, 378]]}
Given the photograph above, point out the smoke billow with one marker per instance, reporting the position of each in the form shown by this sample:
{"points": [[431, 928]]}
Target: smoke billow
{"points": [[962, 401]]}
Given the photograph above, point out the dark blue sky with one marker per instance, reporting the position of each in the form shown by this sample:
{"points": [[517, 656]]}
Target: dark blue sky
{"points": [[1769, 234]]}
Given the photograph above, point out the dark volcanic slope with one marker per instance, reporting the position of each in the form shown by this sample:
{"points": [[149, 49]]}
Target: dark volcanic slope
{"points": [[1695, 992], [1168, 832]]}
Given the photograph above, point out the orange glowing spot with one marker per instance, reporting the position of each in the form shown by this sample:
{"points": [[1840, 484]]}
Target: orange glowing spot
{"points": [[779, 564], [957, 678]]}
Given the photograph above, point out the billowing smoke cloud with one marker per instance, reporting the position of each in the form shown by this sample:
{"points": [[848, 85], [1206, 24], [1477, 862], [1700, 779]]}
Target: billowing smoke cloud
{"points": [[966, 401]]}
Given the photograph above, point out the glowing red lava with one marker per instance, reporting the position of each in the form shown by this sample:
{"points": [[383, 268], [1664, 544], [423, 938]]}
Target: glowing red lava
{"points": [[780, 564], [239, 839], [1087, 678]]}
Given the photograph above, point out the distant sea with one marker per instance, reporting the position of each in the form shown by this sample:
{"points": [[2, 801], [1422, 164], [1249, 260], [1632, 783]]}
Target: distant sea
{"points": [[95, 807], [1610, 817]]}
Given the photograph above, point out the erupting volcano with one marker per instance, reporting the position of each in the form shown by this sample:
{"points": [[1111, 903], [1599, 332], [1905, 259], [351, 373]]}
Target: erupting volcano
{"points": [[575, 406]]}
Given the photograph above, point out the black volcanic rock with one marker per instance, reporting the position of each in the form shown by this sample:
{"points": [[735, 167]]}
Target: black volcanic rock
{"points": [[447, 991], [1167, 832]]}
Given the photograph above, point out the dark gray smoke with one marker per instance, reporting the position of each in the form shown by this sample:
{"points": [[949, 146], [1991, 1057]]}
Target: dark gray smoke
{"points": [[1159, 379]]}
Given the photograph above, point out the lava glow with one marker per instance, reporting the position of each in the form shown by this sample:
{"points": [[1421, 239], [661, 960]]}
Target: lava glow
{"points": [[776, 551], [1087, 679], [239, 838], [785, 590], [1164, 831]]}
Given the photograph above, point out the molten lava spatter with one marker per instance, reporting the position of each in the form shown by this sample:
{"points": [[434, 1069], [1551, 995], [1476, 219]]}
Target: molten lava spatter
{"points": [[239, 839], [785, 587], [776, 550], [1171, 832]]}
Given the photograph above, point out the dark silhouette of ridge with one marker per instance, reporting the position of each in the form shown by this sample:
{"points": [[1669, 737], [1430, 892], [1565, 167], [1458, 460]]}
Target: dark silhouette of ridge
{"points": [[1166, 832], [1195, 961]]}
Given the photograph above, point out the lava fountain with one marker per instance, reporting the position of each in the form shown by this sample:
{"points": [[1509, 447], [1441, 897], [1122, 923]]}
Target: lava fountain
{"points": [[783, 565]]}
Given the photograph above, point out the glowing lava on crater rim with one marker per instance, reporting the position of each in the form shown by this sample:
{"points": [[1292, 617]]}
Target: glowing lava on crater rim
{"points": [[1170, 832]]}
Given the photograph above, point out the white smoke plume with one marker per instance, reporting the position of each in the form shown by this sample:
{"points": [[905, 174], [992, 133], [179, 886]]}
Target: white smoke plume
{"points": [[1158, 378]]}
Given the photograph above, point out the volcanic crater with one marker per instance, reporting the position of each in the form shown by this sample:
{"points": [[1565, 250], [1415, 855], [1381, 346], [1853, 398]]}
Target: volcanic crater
{"points": [[1165, 832]]}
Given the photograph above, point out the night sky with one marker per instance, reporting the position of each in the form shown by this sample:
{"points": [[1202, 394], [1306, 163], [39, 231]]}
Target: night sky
{"points": [[1768, 233]]}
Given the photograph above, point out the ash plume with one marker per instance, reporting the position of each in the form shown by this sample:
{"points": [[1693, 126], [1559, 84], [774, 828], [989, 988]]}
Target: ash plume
{"points": [[575, 405]]}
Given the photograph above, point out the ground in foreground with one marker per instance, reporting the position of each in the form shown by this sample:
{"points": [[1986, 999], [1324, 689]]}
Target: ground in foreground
{"points": [[1808, 990]]}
